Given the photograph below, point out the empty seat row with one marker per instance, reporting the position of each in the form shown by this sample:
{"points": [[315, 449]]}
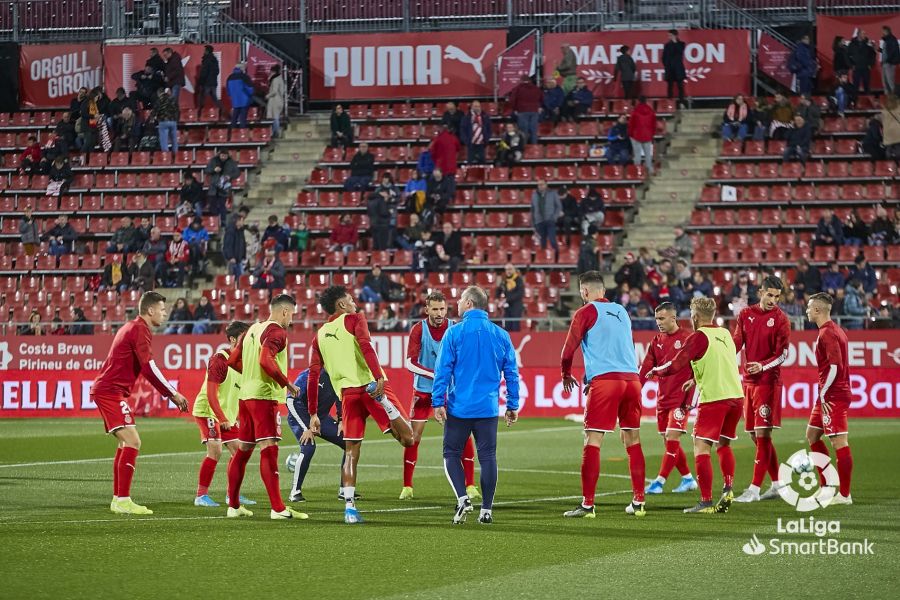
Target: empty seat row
{"points": [[815, 170], [772, 217], [804, 194]]}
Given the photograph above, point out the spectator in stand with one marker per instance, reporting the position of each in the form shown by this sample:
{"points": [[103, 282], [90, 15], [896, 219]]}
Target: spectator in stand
{"points": [[578, 101], [873, 142], [643, 319], [172, 272], [120, 102], [240, 211], [181, 320], [147, 83], [234, 246], [165, 113], [799, 140], [174, 72], [115, 275], [387, 320], [673, 65], [626, 72], [127, 131], [883, 232], [810, 112], [379, 211], [30, 161], [863, 272], [802, 63], [475, 133], [570, 222], [413, 233], [438, 194], [630, 274], [376, 286], [683, 246], [551, 105], [854, 305], [449, 248], [641, 129], [80, 324], [33, 326], [341, 128], [240, 90], [275, 231], [511, 147], [142, 232], [546, 209], [414, 193], [526, 100], [76, 102], [191, 195], [299, 237], [425, 252], [208, 79], [890, 121], [700, 285], [197, 238], [270, 272], [736, 121], [344, 236], [511, 294], [743, 292], [567, 68], [452, 118], [362, 170], [391, 195], [845, 94], [791, 305], [141, 273], [590, 254], [862, 55], [840, 55], [178, 249], [593, 212], [807, 280], [223, 171], [890, 58], [155, 61], [618, 148], [444, 150], [90, 121], [204, 316], [829, 230], [124, 238], [61, 237], [856, 232], [276, 99], [65, 134], [60, 176], [155, 248], [781, 117], [832, 278]]}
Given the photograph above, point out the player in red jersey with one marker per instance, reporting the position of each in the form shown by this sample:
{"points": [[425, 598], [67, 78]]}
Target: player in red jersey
{"points": [[672, 401], [130, 356], [764, 332], [829, 415], [421, 356]]}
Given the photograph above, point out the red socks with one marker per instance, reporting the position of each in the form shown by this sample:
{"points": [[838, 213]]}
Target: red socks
{"points": [[268, 470], [681, 461], [237, 466], [844, 468], [127, 464], [669, 458], [468, 462], [590, 473], [761, 462], [821, 448], [726, 463], [207, 470], [703, 464], [638, 469], [116, 471], [410, 456], [773, 461]]}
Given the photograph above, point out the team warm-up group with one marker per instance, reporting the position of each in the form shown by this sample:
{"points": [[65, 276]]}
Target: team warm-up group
{"points": [[457, 371]]}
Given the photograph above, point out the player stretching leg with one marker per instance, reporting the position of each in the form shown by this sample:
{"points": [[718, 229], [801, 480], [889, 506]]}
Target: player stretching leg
{"points": [[343, 346], [764, 331], [421, 355], [261, 358], [710, 353], [829, 415], [614, 394], [130, 356], [672, 401], [215, 410]]}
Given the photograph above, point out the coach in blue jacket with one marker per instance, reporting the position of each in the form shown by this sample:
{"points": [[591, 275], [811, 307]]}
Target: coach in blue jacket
{"points": [[474, 355]]}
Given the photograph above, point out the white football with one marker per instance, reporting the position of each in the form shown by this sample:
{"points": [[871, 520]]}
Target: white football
{"points": [[290, 461], [802, 464]]}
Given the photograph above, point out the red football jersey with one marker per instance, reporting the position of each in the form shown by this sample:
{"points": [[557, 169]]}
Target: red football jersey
{"points": [[765, 337], [663, 349], [130, 356], [831, 349]]}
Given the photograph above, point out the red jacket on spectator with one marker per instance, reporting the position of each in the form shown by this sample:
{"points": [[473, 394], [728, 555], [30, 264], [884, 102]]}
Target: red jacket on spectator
{"points": [[344, 234], [444, 149], [642, 123], [33, 152], [526, 98]]}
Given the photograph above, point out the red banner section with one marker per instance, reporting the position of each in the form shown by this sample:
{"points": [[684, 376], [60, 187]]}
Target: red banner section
{"points": [[516, 62], [52, 376], [717, 61], [437, 64], [772, 59], [259, 66], [121, 62], [50, 75], [827, 28]]}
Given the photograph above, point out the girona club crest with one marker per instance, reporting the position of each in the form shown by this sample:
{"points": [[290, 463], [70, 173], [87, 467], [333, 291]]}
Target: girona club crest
{"points": [[764, 411], [679, 414], [770, 323], [678, 344]]}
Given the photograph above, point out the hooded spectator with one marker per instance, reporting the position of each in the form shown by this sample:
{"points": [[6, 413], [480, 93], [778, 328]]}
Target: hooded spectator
{"points": [[641, 129], [240, 90]]}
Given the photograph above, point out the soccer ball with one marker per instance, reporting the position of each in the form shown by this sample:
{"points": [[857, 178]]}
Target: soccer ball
{"points": [[291, 461], [802, 464]]}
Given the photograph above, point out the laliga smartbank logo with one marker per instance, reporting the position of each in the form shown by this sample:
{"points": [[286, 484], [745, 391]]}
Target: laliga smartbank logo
{"points": [[825, 541], [798, 480]]}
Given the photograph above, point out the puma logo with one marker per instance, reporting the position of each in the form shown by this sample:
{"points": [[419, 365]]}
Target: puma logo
{"points": [[334, 335], [659, 346], [750, 319], [455, 53], [434, 354], [612, 314], [721, 341]]}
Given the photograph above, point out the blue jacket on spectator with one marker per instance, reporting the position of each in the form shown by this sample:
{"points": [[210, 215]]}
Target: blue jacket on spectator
{"points": [[240, 90], [195, 236], [618, 138], [832, 280], [553, 99], [582, 96], [802, 61], [865, 275]]}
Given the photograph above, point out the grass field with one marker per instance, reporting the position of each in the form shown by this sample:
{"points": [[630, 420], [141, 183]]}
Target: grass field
{"points": [[60, 540]]}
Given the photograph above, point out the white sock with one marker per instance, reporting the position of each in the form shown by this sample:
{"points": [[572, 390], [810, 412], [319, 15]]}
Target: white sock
{"points": [[461, 500], [389, 408], [660, 479], [124, 498], [485, 511], [754, 489], [115, 498], [350, 495], [688, 476]]}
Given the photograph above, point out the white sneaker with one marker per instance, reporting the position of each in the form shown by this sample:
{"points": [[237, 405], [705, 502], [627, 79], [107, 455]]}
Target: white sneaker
{"points": [[748, 496], [838, 500], [771, 493]]}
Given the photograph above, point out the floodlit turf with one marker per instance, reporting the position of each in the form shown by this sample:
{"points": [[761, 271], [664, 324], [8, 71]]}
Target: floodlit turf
{"points": [[59, 538]]}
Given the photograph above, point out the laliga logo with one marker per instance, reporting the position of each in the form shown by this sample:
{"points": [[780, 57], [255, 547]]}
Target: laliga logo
{"points": [[754, 547], [5, 355], [804, 465]]}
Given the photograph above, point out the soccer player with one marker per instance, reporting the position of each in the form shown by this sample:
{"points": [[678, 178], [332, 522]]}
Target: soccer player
{"points": [[130, 356], [421, 356], [261, 358], [603, 330], [672, 401], [829, 415], [344, 348], [764, 332], [215, 411], [711, 355]]}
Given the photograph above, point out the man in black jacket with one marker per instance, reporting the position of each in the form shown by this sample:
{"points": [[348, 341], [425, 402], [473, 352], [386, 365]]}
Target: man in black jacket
{"points": [[61, 237], [156, 62], [223, 170], [452, 118], [438, 194], [626, 71], [807, 280], [362, 169], [379, 213], [449, 248], [673, 64], [174, 72], [862, 54], [234, 246], [148, 83], [890, 58], [799, 139], [208, 80]]}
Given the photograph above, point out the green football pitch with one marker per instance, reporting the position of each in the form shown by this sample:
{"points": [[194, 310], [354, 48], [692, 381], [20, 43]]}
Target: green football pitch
{"points": [[60, 540]]}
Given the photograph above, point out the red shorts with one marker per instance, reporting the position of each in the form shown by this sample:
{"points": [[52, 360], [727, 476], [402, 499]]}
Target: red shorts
{"points": [[260, 420], [718, 419], [610, 400], [762, 406], [210, 430], [671, 419], [115, 411], [421, 406], [835, 422], [358, 406]]}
